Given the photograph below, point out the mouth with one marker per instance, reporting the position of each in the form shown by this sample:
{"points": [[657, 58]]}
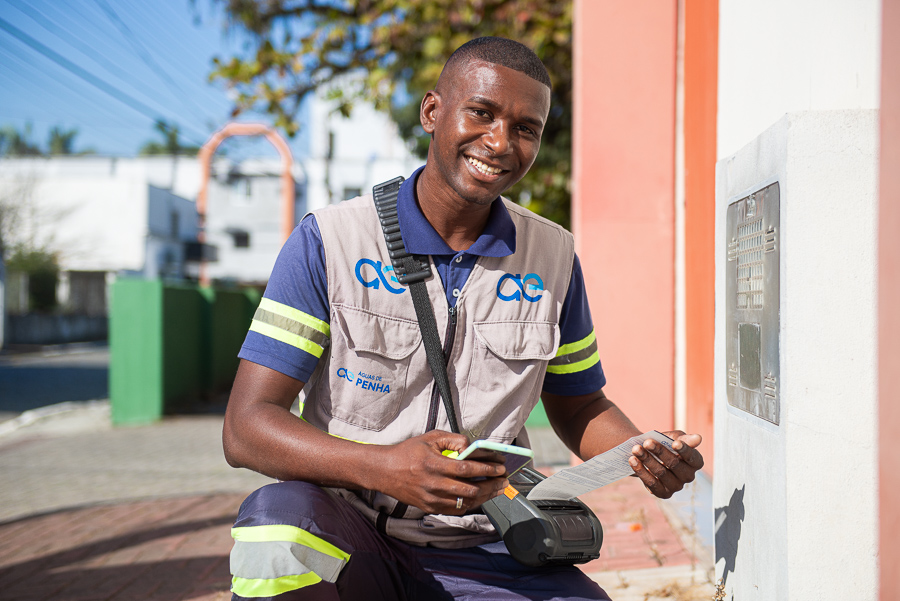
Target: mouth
{"points": [[484, 168]]}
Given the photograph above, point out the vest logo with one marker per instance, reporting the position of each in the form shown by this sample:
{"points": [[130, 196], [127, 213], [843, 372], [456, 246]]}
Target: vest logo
{"points": [[364, 381], [375, 281], [516, 288]]}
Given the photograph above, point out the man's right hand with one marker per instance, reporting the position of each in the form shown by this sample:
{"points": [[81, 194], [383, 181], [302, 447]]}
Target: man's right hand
{"points": [[416, 473]]}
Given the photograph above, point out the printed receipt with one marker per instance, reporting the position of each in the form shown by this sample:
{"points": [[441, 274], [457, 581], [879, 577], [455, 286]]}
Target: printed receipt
{"points": [[601, 470]]}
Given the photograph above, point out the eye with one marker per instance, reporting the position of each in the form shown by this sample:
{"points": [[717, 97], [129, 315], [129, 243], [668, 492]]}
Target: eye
{"points": [[527, 130], [481, 113]]}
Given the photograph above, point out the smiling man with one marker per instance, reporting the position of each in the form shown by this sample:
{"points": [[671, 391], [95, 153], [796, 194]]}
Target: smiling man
{"points": [[368, 507]]}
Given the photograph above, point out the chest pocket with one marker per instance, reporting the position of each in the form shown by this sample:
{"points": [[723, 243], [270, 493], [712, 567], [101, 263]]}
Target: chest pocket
{"points": [[370, 357], [507, 370]]}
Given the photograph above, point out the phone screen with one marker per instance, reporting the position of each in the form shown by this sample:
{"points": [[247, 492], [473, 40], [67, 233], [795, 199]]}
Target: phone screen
{"points": [[515, 457]]}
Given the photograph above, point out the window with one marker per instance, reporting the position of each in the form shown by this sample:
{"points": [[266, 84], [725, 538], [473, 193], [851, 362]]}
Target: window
{"points": [[351, 193], [241, 238]]}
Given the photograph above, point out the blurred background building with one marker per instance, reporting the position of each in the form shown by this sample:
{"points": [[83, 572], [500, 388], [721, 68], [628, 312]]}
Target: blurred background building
{"points": [[106, 217]]}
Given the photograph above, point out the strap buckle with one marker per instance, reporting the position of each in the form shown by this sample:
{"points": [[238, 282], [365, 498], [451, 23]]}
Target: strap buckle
{"points": [[386, 205]]}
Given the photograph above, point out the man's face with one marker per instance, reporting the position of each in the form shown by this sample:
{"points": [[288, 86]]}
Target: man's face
{"points": [[486, 122]]}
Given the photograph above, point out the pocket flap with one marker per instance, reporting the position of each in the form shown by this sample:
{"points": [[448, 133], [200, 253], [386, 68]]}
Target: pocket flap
{"points": [[519, 339], [387, 337]]}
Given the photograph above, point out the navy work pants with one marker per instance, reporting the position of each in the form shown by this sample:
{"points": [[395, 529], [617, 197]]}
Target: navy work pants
{"points": [[294, 540]]}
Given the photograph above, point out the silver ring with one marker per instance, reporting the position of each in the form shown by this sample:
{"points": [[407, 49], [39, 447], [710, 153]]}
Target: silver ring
{"points": [[459, 502]]}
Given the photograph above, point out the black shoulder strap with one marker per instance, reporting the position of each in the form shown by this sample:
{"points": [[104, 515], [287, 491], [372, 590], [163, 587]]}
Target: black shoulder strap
{"points": [[413, 270]]}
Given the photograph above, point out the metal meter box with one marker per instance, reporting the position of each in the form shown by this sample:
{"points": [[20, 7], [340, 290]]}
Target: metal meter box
{"points": [[752, 303]]}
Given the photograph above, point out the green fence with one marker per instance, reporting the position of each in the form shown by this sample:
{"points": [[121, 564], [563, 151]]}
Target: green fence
{"points": [[172, 344]]}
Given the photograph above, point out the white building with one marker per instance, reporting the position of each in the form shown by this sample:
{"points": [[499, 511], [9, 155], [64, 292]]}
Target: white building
{"points": [[364, 150], [135, 216], [104, 214]]}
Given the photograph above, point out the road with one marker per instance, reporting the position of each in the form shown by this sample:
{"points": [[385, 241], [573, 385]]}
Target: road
{"points": [[55, 375]]}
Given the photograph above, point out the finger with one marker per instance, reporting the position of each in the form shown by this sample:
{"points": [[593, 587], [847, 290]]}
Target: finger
{"points": [[673, 462], [470, 489], [466, 468], [649, 480], [692, 440], [685, 445], [686, 448], [488, 489], [458, 488], [471, 497], [669, 480], [441, 441]]}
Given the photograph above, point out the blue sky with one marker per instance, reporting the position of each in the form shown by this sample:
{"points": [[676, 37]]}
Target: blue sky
{"points": [[111, 67]]}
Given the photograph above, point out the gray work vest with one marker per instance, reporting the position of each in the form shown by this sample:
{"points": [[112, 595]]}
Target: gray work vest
{"points": [[374, 385]]}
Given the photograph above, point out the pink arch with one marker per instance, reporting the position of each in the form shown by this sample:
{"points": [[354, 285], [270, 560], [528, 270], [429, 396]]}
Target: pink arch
{"points": [[287, 181]]}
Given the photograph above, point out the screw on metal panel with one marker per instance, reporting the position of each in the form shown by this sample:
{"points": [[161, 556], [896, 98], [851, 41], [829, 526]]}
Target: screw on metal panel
{"points": [[751, 206]]}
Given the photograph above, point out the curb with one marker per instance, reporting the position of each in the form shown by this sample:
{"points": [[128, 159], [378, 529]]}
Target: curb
{"points": [[12, 351], [33, 416]]}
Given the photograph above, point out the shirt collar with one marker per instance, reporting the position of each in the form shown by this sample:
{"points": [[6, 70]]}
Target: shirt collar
{"points": [[497, 240]]}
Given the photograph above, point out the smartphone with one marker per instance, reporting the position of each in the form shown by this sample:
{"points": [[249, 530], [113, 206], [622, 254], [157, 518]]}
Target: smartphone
{"points": [[516, 457]]}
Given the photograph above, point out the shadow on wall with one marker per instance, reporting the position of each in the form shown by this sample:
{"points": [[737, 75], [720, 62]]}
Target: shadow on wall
{"points": [[728, 530]]}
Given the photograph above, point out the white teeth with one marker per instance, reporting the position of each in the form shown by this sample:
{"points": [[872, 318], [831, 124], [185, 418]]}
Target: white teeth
{"points": [[486, 169]]}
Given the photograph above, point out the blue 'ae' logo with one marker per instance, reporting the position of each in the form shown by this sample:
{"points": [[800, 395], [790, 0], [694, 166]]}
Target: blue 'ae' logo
{"points": [[381, 271], [521, 287]]}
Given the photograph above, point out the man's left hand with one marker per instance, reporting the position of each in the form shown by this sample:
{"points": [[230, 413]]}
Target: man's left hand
{"points": [[663, 472]]}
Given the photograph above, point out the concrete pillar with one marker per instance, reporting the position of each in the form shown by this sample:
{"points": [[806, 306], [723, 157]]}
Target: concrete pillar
{"points": [[795, 515]]}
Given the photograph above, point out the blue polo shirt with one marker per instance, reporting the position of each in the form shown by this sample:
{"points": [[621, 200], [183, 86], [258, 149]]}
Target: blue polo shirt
{"points": [[299, 281]]}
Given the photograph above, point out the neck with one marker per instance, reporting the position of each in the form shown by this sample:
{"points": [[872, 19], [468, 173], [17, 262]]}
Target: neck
{"points": [[457, 221]]}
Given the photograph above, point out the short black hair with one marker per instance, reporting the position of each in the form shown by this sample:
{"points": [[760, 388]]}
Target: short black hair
{"points": [[503, 52]]}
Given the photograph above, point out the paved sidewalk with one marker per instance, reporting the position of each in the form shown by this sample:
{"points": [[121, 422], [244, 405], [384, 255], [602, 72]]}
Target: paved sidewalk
{"points": [[165, 550], [89, 512]]}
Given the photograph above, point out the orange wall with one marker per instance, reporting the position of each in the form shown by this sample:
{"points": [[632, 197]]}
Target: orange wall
{"points": [[623, 195], [888, 302], [701, 52]]}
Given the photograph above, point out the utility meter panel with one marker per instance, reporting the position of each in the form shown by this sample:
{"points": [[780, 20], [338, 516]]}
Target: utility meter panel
{"points": [[752, 303]]}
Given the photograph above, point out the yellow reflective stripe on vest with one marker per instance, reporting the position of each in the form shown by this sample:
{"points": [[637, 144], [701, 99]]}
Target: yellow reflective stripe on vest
{"points": [[575, 356], [290, 534], [247, 587], [290, 326]]}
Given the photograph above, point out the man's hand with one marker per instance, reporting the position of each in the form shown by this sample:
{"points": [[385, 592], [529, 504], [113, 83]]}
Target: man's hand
{"points": [[416, 473], [663, 472]]}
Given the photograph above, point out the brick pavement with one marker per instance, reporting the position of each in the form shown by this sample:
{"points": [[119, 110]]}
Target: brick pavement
{"points": [[162, 550], [636, 533]]}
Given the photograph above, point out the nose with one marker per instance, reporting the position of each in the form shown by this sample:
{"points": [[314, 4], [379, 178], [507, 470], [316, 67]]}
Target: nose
{"points": [[497, 138]]}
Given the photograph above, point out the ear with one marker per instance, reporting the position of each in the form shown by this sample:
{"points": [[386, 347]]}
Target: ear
{"points": [[428, 111]]}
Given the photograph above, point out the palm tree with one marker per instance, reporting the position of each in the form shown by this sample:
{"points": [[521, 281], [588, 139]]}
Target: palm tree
{"points": [[170, 144], [61, 140], [17, 143]]}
